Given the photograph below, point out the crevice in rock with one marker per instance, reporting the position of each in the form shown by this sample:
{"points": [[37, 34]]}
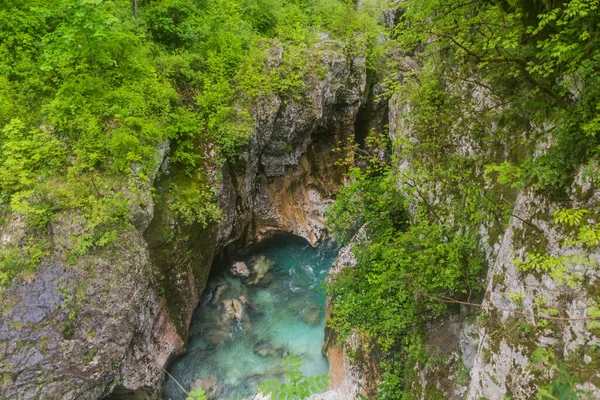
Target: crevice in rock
{"points": [[122, 393]]}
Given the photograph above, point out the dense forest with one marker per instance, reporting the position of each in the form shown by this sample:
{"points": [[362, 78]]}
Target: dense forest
{"points": [[497, 105]]}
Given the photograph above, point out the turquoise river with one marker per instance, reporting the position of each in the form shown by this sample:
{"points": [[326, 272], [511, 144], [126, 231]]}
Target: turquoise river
{"points": [[244, 327]]}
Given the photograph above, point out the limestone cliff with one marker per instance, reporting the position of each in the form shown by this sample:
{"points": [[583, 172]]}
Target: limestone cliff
{"points": [[287, 176], [498, 355]]}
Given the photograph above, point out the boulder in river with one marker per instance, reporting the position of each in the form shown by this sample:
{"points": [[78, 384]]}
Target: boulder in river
{"points": [[218, 293], [244, 300], [260, 267], [265, 280], [264, 348], [230, 314], [233, 309], [311, 315], [239, 269]]}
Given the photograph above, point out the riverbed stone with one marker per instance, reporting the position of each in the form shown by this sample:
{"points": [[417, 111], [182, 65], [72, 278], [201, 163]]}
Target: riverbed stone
{"points": [[260, 267], [265, 280], [216, 336], [265, 348], [233, 309], [218, 293], [311, 315], [239, 269]]}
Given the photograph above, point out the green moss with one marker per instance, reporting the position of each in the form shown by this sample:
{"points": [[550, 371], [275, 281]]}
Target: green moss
{"points": [[532, 239], [498, 281], [89, 355], [493, 378], [22, 344], [587, 371], [177, 250], [42, 345], [6, 379], [16, 325]]}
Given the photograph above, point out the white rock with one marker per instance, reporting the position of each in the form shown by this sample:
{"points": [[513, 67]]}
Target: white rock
{"points": [[239, 269]]}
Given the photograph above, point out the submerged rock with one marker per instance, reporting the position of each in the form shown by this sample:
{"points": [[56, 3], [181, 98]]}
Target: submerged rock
{"points": [[232, 314], [239, 270], [261, 266], [233, 309], [312, 315], [213, 389], [216, 336], [218, 293], [264, 348], [265, 280], [244, 300]]}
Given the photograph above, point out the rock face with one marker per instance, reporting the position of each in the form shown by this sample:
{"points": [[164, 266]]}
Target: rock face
{"points": [[287, 177], [109, 324], [509, 358], [73, 332]]}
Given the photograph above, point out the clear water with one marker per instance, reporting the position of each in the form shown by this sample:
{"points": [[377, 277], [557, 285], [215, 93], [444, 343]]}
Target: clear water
{"points": [[287, 315]]}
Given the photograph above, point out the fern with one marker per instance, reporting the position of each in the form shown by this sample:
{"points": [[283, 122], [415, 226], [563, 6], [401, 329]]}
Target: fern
{"points": [[298, 386], [569, 217], [197, 394]]}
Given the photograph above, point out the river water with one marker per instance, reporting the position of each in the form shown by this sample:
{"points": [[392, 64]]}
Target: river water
{"points": [[243, 329]]}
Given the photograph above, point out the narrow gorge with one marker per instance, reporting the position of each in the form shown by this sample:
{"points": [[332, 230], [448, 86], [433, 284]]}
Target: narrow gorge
{"points": [[133, 319], [403, 194]]}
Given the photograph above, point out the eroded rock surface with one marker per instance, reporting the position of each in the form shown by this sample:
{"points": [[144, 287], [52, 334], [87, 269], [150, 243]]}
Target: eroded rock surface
{"points": [[287, 177]]}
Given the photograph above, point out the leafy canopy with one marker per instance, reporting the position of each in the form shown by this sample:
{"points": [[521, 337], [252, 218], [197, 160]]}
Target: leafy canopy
{"points": [[91, 96]]}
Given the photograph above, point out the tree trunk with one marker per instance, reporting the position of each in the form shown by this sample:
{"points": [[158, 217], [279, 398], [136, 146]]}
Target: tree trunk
{"points": [[134, 7]]}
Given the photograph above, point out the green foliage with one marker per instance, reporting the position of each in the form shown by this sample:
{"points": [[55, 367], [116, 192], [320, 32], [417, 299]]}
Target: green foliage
{"points": [[563, 387], [536, 56], [580, 232], [298, 387], [195, 203], [398, 271], [366, 199], [408, 262], [197, 394], [88, 94], [27, 156], [15, 260]]}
